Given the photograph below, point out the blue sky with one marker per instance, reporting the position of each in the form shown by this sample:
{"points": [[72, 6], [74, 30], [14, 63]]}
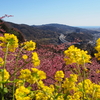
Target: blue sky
{"points": [[37, 12]]}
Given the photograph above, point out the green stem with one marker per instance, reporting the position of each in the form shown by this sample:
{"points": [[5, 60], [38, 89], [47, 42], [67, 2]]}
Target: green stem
{"points": [[83, 85], [83, 79], [15, 77], [20, 68], [5, 57], [14, 74], [3, 98], [78, 69]]}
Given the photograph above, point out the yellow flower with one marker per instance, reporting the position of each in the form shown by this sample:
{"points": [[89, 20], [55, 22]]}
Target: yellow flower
{"points": [[6, 75], [40, 84], [35, 59], [19, 83], [25, 74], [10, 40], [25, 57], [98, 41], [38, 73], [97, 55], [29, 45], [75, 96], [34, 69], [22, 93], [32, 76], [69, 84], [97, 71], [75, 55], [46, 93], [41, 74], [1, 62], [41, 96], [73, 77], [52, 88], [91, 90], [59, 75], [60, 97]]}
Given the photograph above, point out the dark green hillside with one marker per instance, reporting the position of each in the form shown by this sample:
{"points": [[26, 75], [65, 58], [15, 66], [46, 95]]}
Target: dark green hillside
{"points": [[8, 29], [49, 33]]}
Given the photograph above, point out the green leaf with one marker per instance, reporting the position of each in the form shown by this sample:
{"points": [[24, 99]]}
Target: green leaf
{"points": [[1, 70], [5, 90]]}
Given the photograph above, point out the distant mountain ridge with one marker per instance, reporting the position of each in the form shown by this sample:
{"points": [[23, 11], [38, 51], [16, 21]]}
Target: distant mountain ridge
{"points": [[63, 28], [49, 33]]}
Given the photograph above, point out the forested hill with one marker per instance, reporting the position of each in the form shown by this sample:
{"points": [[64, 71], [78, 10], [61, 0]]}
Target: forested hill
{"points": [[49, 33]]}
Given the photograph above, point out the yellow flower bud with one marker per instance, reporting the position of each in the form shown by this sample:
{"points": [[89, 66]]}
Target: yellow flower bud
{"points": [[25, 57]]}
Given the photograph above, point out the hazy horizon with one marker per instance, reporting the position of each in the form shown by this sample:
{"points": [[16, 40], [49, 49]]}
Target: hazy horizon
{"points": [[59, 23], [38, 12]]}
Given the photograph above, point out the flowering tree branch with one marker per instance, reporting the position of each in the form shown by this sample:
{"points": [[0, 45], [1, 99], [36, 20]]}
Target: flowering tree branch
{"points": [[1, 30]]}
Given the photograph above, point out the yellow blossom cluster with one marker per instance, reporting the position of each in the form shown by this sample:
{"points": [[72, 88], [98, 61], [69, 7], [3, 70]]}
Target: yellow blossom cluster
{"points": [[1, 62], [75, 55], [69, 84], [75, 96], [97, 55], [24, 57], [32, 76], [23, 93], [6, 75], [35, 59], [45, 92], [90, 89], [20, 83], [85, 90], [9, 40], [69, 89], [59, 75], [29, 45]]}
